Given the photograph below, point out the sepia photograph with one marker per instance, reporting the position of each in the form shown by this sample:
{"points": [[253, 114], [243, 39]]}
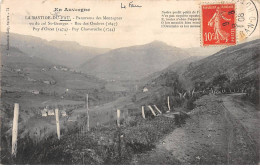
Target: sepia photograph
{"points": [[122, 82]]}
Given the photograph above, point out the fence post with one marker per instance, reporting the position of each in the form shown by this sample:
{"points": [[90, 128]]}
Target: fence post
{"points": [[168, 101], [119, 135], [180, 95], [184, 95], [57, 122], [192, 92], [151, 110], [118, 117], [143, 112], [87, 112], [15, 129], [157, 109]]}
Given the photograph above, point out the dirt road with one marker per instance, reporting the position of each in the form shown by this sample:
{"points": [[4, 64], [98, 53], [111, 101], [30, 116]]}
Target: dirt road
{"points": [[221, 130], [243, 119]]}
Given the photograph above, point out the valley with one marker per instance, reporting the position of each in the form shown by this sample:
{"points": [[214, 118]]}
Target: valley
{"points": [[174, 108]]}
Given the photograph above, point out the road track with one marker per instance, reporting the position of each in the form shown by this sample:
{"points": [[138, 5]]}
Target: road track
{"points": [[223, 129], [235, 117]]}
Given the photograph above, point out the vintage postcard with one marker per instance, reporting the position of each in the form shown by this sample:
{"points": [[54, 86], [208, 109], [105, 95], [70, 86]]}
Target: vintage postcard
{"points": [[130, 82]]}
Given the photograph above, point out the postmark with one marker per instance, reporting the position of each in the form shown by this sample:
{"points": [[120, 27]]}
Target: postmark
{"points": [[218, 24], [247, 18]]}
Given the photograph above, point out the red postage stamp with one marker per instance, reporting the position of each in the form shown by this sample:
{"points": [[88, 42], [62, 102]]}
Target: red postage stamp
{"points": [[218, 24]]}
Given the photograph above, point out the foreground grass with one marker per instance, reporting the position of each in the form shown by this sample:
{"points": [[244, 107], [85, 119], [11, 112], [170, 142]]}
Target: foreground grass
{"points": [[102, 145]]}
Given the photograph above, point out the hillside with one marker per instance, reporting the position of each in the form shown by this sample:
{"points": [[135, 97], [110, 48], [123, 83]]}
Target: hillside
{"points": [[35, 83], [36, 70], [239, 61], [233, 69], [179, 67], [214, 120], [132, 63], [65, 53], [202, 51]]}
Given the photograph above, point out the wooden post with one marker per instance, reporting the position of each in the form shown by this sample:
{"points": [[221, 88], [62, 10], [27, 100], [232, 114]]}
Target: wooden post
{"points": [[184, 95], [180, 95], [119, 135], [192, 92], [168, 101], [87, 112], [157, 109], [151, 110], [143, 114], [15, 129], [118, 117], [57, 122]]}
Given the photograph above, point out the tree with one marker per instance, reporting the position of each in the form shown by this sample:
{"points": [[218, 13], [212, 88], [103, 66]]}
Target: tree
{"points": [[221, 80]]}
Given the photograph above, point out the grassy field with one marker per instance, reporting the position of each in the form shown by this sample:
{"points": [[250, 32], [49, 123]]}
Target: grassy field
{"points": [[104, 144], [35, 84]]}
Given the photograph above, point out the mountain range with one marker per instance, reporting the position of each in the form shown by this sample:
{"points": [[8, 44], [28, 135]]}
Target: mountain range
{"points": [[68, 53], [135, 62]]}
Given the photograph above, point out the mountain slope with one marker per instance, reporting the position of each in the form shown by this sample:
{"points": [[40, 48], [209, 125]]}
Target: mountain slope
{"points": [[233, 68], [178, 67], [134, 62], [22, 74], [203, 51], [66, 53], [237, 62]]}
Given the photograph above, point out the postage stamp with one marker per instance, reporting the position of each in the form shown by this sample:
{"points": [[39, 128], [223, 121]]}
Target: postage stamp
{"points": [[218, 24]]}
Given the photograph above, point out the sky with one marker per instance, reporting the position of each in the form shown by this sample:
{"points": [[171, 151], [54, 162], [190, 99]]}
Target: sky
{"points": [[139, 25]]}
